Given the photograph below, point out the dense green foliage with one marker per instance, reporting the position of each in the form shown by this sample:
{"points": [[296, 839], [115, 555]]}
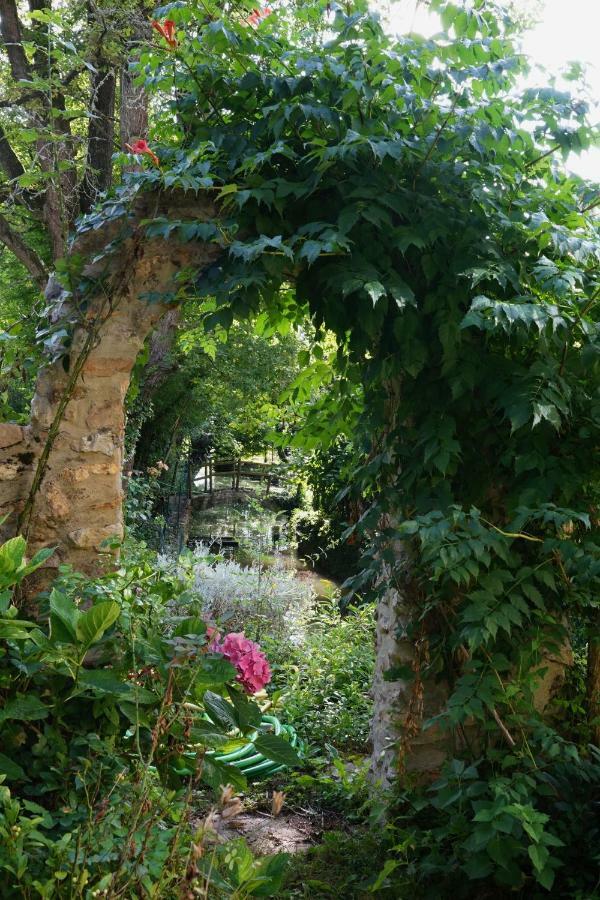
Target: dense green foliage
{"points": [[405, 195], [322, 521], [408, 190], [225, 386], [325, 677], [20, 355], [108, 717]]}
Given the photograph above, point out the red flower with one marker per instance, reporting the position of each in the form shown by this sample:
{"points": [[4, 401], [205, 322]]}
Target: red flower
{"points": [[167, 31], [142, 148], [257, 15]]}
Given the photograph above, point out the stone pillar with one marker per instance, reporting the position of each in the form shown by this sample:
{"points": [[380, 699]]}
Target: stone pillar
{"points": [[79, 504], [401, 706], [16, 459]]}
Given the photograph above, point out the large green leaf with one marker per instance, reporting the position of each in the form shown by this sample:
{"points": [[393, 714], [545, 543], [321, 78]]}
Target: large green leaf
{"points": [[214, 670], [277, 749], [24, 707], [12, 555], [206, 733], [38, 560], [105, 681], [63, 618], [191, 627], [15, 629], [247, 712], [11, 769], [218, 774], [92, 624], [220, 711]]}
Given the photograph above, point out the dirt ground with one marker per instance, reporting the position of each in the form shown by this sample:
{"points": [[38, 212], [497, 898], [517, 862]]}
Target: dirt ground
{"points": [[292, 831]]}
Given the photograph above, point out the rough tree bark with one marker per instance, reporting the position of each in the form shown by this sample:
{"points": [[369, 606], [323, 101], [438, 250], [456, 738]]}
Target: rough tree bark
{"points": [[101, 135], [160, 362], [134, 101]]}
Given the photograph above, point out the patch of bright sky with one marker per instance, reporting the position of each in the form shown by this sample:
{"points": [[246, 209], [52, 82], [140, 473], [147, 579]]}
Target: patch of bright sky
{"points": [[566, 31]]}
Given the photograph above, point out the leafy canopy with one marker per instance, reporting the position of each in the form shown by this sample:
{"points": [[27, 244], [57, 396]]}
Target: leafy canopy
{"points": [[409, 191]]}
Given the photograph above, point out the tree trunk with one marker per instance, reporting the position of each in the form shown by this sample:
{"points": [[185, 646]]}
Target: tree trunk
{"points": [[134, 102], [160, 362], [101, 135]]}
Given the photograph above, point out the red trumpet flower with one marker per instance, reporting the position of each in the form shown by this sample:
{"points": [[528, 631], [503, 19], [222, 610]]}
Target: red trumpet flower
{"points": [[257, 15], [142, 148], [167, 31]]}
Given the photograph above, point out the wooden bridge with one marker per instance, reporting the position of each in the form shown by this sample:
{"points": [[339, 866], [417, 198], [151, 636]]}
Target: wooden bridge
{"points": [[212, 482], [233, 470]]}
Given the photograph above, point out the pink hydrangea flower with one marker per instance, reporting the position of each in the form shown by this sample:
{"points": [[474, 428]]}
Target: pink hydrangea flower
{"points": [[253, 669]]}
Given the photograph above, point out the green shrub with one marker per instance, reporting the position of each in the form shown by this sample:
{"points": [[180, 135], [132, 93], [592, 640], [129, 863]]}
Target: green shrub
{"points": [[326, 678], [504, 825], [109, 704]]}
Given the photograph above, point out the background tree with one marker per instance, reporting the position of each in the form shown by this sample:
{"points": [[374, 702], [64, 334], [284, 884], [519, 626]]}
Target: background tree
{"points": [[226, 384], [68, 104]]}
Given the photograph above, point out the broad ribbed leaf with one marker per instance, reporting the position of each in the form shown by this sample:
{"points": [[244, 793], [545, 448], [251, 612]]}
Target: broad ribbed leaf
{"points": [[277, 749], [92, 624], [63, 618]]}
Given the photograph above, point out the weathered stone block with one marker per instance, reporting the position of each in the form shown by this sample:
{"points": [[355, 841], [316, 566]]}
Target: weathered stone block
{"points": [[101, 442], [77, 474], [8, 471], [10, 434], [107, 366], [91, 538], [58, 502]]}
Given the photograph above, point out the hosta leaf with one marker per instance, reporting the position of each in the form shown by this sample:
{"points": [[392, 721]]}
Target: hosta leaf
{"points": [[92, 624]]}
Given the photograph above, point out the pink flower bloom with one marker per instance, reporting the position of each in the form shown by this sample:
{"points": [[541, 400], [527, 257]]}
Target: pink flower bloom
{"points": [[248, 659]]}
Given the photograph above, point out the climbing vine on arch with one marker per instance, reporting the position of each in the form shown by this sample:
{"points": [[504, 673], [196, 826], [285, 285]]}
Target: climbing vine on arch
{"points": [[410, 191]]}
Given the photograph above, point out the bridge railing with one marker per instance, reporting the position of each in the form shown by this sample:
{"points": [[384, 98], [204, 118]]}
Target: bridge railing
{"points": [[236, 468]]}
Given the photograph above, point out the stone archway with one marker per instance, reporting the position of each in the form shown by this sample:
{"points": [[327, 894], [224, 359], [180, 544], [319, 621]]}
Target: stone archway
{"points": [[78, 503]]}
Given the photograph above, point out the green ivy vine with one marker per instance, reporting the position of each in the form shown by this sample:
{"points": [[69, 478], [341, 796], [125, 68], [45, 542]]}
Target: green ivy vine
{"points": [[410, 192]]}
